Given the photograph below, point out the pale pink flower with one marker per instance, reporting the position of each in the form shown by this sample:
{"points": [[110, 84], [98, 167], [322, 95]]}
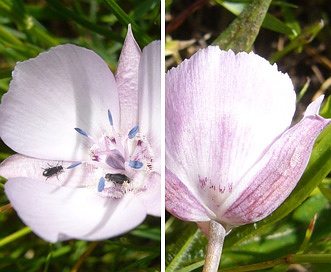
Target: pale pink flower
{"points": [[66, 109], [230, 154]]}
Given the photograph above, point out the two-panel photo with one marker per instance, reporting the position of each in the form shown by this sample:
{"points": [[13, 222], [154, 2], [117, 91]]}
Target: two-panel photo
{"points": [[165, 136]]}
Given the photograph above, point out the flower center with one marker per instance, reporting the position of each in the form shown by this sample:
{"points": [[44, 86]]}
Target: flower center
{"points": [[118, 163]]}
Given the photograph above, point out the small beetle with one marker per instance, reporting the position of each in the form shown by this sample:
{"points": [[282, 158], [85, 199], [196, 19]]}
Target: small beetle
{"points": [[117, 178], [53, 170]]}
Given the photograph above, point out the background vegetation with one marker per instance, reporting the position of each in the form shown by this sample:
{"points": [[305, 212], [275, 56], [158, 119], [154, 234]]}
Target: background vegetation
{"points": [[28, 27]]}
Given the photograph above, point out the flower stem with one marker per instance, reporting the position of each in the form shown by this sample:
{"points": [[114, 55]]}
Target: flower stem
{"points": [[215, 246], [5, 207], [290, 259]]}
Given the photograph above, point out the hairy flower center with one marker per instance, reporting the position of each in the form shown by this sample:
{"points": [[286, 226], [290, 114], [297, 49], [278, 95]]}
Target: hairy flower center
{"points": [[118, 163]]}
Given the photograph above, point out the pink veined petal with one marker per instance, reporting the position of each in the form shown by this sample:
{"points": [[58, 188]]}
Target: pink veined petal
{"points": [[61, 213], [23, 166], [222, 111], [274, 176], [150, 97], [127, 81], [50, 95], [182, 203], [314, 107], [152, 196]]}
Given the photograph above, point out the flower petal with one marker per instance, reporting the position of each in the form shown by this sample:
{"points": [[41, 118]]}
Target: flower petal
{"points": [[127, 81], [150, 96], [182, 203], [61, 213], [275, 175], [21, 166], [222, 111], [49, 96], [314, 107], [152, 196]]}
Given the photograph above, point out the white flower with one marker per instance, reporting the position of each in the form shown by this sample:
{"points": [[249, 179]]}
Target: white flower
{"points": [[103, 180]]}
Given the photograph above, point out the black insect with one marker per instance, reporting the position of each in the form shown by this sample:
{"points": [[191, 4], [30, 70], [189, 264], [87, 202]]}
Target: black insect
{"points": [[52, 171], [117, 178]]}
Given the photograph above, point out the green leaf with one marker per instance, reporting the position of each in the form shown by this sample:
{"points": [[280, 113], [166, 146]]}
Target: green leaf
{"points": [[242, 32], [14, 236], [303, 38], [326, 109], [270, 22], [187, 245], [59, 7], [8, 38], [325, 188], [125, 19]]}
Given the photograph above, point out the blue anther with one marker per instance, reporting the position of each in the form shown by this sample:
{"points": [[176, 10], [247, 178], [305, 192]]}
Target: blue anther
{"points": [[80, 131], [101, 184], [74, 165], [136, 164], [133, 132], [110, 118]]}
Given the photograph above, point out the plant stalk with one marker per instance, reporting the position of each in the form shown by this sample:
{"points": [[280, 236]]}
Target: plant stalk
{"points": [[215, 246]]}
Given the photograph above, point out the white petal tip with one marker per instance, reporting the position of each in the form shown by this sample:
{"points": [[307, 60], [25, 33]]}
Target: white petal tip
{"points": [[314, 107]]}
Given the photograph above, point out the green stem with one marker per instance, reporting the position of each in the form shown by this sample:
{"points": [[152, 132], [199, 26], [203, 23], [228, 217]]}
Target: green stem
{"points": [[84, 256], [309, 258], [14, 236], [215, 246], [242, 32], [290, 259]]}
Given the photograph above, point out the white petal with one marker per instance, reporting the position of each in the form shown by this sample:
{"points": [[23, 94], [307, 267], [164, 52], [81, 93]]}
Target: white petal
{"points": [[49, 96], [314, 107], [61, 213], [152, 196], [150, 95], [222, 111], [21, 166], [127, 81]]}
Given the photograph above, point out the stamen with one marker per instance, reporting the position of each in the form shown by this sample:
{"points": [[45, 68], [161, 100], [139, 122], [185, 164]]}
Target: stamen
{"points": [[80, 131], [136, 164], [74, 165], [133, 132], [101, 184], [113, 150], [116, 160], [110, 118]]}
